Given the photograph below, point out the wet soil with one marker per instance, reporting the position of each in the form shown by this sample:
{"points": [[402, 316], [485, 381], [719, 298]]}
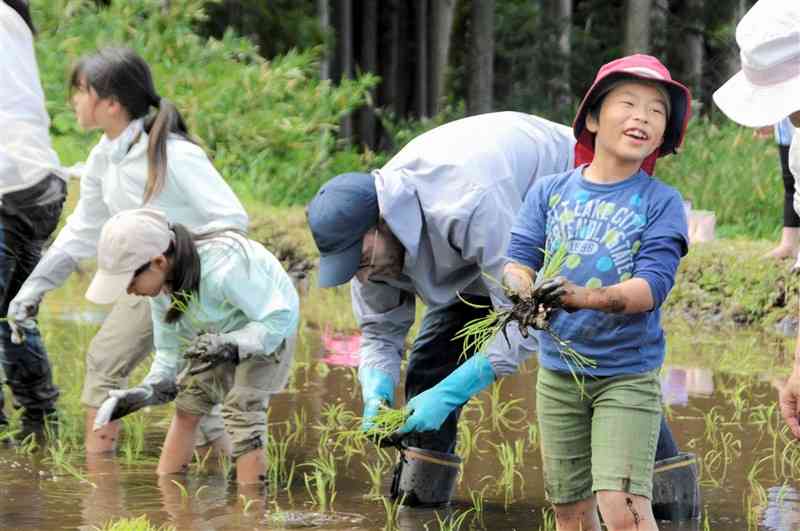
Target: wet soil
{"points": [[749, 476]]}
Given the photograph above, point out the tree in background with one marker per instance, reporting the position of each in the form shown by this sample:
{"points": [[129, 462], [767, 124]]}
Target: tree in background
{"points": [[529, 55], [481, 67]]}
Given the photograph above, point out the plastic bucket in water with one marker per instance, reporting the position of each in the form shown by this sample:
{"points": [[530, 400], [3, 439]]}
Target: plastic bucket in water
{"points": [[425, 478], [676, 493]]}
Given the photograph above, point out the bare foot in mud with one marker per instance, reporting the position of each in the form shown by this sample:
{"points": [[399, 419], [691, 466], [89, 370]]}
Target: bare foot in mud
{"points": [[781, 253]]}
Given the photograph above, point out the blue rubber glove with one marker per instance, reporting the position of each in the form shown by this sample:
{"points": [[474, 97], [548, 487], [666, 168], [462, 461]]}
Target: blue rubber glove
{"points": [[377, 388], [430, 408]]}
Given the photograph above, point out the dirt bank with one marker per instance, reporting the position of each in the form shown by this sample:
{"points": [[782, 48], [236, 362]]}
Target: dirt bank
{"points": [[727, 283]]}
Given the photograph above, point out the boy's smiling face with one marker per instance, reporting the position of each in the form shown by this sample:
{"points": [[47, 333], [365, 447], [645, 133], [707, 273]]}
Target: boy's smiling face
{"points": [[631, 122]]}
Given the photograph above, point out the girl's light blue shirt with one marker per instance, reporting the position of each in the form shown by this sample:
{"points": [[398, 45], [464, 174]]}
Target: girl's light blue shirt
{"points": [[244, 293]]}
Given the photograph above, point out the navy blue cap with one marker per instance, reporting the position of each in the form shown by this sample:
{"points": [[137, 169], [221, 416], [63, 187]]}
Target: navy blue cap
{"points": [[342, 212]]}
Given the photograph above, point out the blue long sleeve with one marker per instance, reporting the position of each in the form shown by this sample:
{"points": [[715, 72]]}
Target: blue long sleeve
{"points": [[523, 250], [635, 228], [658, 265]]}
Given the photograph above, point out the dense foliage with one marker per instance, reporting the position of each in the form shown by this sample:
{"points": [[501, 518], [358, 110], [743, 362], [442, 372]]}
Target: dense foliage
{"points": [[270, 126], [725, 169]]}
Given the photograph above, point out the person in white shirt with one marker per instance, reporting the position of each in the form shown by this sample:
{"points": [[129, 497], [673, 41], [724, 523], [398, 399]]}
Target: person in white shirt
{"points": [[143, 158], [32, 192]]}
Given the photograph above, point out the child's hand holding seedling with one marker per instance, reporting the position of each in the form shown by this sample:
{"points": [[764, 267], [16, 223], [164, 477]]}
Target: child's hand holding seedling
{"points": [[518, 281], [558, 292]]}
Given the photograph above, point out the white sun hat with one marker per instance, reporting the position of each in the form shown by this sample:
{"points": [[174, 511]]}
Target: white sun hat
{"points": [[767, 88], [128, 241]]}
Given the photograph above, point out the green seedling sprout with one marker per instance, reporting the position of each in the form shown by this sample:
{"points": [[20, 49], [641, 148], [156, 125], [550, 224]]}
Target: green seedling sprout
{"points": [[321, 482], [533, 435], [548, 520], [133, 427], [375, 472], [201, 461], [505, 414], [280, 470], [184, 492], [468, 441], [509, 459], [246, 503], [453, 521], [478, 498], [392, 509]]}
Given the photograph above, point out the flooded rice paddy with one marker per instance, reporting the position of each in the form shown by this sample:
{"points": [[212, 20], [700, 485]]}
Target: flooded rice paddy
{"points": [[719, 391]]}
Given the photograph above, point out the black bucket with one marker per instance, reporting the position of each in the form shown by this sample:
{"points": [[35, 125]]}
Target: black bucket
{"points": [[425, 478], [676, 493]]}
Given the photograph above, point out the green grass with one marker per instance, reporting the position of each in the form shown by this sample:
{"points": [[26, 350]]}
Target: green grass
{"points": [[725, 169], [269, 126]]}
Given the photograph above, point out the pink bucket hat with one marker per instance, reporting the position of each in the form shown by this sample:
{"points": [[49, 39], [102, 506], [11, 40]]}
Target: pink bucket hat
{"points": [[643, 67], [767, 88]]}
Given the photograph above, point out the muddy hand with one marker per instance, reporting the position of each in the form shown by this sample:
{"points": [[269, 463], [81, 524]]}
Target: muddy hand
{"points": [[551, 293], [209, 350], [517, 281]]}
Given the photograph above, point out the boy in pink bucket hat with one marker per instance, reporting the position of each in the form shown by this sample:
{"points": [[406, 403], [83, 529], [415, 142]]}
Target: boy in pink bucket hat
{"points": [[624, 232], [763, 92]]}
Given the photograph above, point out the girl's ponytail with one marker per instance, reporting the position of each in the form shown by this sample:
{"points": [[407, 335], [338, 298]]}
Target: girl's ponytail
{"points": [[185, 276], [167, 120]]}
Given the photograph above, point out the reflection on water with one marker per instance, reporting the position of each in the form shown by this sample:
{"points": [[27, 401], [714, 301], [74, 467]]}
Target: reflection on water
{"points": [[679, 383], [749, 477], [783, 509]]}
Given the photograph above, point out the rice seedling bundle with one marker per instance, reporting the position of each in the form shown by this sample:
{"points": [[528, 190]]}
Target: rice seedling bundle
{"points": [[383, 425], [526, 312]]}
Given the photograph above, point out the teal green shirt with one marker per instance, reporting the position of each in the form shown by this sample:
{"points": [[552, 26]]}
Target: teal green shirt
{"points": [[244, 293]]}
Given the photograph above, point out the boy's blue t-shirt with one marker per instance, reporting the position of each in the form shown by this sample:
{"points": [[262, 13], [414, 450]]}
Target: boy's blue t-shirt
{"points": [[633, 228]]}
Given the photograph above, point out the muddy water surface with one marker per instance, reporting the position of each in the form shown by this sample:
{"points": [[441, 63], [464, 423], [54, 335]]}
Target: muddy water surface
{"points": [[749, 480]]}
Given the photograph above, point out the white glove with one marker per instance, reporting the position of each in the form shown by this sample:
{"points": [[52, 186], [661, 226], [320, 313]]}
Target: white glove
{"points": [[52, 270], [122, 402]]}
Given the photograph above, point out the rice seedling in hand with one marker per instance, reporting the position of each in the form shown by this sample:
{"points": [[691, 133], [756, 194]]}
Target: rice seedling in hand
{"points": [[527, 312], [383, 426], [386, 423]]}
